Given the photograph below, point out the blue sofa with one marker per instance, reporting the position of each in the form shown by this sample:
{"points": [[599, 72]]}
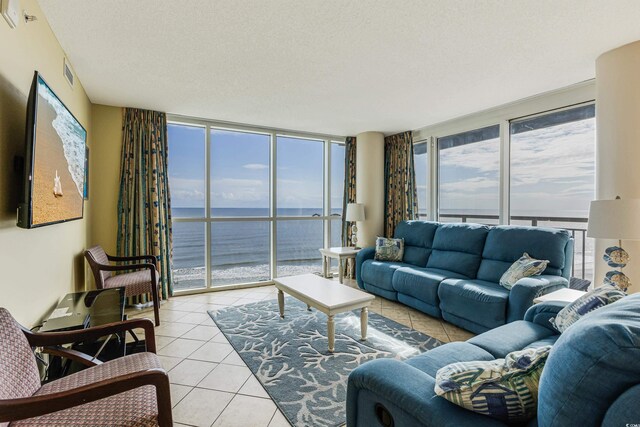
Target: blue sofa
{"points": [[591, 378], [452, 270]]}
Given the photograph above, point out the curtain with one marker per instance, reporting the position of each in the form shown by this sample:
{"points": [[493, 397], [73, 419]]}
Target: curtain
{"points": [[144, 211], [349, 186], [400, 192]]}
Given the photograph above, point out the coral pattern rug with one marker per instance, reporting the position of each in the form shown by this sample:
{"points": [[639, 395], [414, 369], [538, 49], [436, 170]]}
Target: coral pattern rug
{"points": [[290, 358]]}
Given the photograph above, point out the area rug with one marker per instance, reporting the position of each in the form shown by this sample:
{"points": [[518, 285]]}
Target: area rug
{"points": [[290, 357]]}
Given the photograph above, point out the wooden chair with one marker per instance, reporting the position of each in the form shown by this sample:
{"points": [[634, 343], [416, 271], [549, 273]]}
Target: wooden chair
{"points": [[129, 391], [145, 280]]}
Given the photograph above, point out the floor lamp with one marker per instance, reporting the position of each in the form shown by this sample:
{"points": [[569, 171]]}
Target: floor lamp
{"points": [[355, 212], [615, 219]]}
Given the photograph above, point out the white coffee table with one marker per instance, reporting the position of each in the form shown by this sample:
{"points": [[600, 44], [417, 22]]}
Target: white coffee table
{"points": [[339, 253], [325, 295]]}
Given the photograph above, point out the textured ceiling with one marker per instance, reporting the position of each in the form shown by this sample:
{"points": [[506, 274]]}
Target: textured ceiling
{"points": [[334, 66]]}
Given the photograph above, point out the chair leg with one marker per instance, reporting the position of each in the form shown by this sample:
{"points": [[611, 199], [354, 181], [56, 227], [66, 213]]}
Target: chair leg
{"points": [[163, 396], [156, 304]]}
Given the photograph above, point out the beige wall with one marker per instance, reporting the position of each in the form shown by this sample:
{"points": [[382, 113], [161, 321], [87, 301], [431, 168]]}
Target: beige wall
{"points": [[37, 266], [370, 186], [618, 143], [104, 176]]}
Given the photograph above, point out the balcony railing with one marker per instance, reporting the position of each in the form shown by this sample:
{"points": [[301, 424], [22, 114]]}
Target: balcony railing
{"points": [[582, 263]]}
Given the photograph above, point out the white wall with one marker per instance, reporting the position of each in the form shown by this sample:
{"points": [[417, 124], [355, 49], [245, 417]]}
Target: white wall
{"points": [[370, 185], [618, 147]]}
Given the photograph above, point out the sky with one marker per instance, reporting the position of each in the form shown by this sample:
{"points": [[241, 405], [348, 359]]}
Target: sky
{"points": [[552, 173], [240, 170]]}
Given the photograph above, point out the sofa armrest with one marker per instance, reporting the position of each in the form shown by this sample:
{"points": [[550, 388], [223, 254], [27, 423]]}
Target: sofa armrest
{"points": [[408, 396], [543, 313], [525, 290], [362, 256]]}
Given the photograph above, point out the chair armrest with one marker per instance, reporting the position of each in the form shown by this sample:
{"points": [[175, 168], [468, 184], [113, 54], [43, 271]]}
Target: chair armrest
{"points": [[67, 337], [153, 259], [362, 256], [125, 267], [543, 312], [527, 289], [407, 393], [28, 407]]}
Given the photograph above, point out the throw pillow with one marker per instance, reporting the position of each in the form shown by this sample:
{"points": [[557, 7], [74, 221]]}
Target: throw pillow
{"points": [[524, 267], [506, 389], [592, 300], [389, 249]]}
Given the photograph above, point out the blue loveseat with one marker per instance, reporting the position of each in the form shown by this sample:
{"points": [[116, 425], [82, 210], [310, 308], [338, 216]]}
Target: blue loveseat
{"points": [[591, 378], [452, 270]]}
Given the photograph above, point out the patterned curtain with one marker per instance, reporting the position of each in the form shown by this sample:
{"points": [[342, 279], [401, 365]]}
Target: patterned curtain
{"points": [[400, 192], [349, 186], [144, 211]]}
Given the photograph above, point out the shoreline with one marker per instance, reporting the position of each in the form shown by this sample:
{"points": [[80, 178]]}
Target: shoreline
{"points": [[49, 157]]}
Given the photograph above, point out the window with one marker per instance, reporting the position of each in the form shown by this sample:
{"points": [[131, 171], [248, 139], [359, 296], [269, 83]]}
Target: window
{"points": [[231, 224], [469, 176], [553, 174], [187, 180], [421, 162]]}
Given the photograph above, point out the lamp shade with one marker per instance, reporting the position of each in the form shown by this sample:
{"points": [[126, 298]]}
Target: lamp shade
{"points": [[355, 212], [614, 219]]}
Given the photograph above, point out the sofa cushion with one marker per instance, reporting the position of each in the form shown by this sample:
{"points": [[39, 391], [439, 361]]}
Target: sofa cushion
{"points": [[484, 303], [418, 240], [591, 365], [511, 337], [525, 266], [544, 342], [421, 283], [458, 248], [431, 361], [592, 300], [506, 243], [505, 389], [380, 273]]}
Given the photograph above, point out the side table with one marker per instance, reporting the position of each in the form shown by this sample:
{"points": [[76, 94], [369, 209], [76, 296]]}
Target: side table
{"points": [[339, 253], [565, 295]]}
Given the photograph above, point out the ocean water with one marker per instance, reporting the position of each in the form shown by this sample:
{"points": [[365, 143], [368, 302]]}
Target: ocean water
{"points": [[240, 250], [72, 135]]}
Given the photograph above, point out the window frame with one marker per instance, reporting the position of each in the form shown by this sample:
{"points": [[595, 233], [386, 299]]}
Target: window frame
{"points": [[272, 218]]}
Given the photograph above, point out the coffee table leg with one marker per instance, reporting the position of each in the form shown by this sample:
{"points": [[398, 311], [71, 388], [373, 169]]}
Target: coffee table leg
{"points": [[281, 303], [308, 307], [325, 273], [331, 332], [364, 319]]}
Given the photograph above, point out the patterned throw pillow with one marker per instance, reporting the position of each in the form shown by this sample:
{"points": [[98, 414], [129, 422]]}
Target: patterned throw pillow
{"points": [[592, 300], [524, 267], [506, 389], [389, 249]]}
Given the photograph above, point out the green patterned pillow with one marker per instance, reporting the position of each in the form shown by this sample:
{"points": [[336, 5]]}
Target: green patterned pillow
{"points": [[506, 389], [389, 249], [524, 267]]}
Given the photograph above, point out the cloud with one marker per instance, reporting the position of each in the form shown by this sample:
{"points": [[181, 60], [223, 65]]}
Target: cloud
{"points": [[255, 166]]}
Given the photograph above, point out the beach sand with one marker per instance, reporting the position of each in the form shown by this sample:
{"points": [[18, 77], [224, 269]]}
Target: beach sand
{"points": [[49, 158]]}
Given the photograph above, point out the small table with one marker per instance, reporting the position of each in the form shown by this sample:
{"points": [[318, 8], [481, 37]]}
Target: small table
{"points": [[328, 297], [339, 253], [565, 295]]}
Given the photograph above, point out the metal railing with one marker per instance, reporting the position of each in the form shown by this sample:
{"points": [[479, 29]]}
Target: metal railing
{"points": [[534, 221]]}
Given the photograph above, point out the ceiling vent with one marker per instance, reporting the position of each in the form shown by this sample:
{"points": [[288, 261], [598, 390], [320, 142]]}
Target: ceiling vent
{"points": [[68, 72]]}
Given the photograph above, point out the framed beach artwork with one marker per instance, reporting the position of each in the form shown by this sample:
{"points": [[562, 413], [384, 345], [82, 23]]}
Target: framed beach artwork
{"points": [[86, 174]]}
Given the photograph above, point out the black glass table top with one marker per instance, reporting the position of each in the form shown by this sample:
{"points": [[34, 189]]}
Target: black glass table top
{"points": [[80, 310]]}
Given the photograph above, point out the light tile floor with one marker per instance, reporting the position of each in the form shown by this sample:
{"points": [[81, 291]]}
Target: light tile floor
{"points": [[210, 384]]}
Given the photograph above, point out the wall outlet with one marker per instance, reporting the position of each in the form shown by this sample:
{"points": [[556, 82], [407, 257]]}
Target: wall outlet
{"points": [[11, 12]]}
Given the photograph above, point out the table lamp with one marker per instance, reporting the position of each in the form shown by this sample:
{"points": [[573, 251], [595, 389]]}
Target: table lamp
{"points": [[615, 219], [355, 212]]}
